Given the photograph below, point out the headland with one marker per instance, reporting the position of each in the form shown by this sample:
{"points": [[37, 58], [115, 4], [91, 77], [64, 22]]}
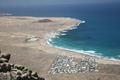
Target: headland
{"points": [[26, 39]]}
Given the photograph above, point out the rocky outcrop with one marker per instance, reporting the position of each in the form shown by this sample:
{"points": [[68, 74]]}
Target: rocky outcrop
{"points": [[4, 57], [9, 71]]}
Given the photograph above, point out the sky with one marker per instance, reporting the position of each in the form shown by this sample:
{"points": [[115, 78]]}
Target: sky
{"points": [[45, 2]]}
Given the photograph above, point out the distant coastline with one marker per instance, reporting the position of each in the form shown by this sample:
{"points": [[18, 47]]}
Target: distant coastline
{"points": [[4, 14], [25, 27], [24, 38]]}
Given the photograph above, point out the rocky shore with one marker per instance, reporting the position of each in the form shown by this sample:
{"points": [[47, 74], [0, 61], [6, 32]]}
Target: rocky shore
{"points": [[9, 71]]}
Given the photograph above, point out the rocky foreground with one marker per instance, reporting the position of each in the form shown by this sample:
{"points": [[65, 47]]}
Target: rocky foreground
{"points": [[9, 71]]}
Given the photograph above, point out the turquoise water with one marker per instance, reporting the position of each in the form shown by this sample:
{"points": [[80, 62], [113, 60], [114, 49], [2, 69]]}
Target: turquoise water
{"points": [[99, 36]]}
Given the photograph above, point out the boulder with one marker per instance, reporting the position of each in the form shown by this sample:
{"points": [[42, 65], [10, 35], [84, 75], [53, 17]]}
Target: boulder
{"points": [[8, 67], [2, 60], [25, 69], [19, 67], [35, 78], [18, 77], [35, 74], [29, 72], [5, 67], [19, 72], [42, 79], [5, 55], [24, 76]]}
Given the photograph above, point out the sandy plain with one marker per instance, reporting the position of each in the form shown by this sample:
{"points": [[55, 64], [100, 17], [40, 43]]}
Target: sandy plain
{"points": [[38, 55]]}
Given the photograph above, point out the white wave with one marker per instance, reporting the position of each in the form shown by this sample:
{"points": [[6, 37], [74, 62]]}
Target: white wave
{"points": [[64, 31], [82, 21], [78, 51], [49, 43], [50, 40], [78, 24], [74, 27], [111, 58], [62, 34], [90, 52], [77, 20], [51, 35]]}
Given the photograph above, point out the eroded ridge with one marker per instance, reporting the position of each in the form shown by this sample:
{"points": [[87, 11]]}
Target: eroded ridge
{"points": [[65, 64]]}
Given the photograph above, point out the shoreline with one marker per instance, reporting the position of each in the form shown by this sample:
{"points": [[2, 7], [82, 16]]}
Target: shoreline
{"points": [[4, 14], [17, 28], [18, 36], [56, 35], [101, 57]]}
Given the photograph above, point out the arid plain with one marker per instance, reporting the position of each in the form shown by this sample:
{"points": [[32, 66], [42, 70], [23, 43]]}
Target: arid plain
{"points": [[38, 55]]}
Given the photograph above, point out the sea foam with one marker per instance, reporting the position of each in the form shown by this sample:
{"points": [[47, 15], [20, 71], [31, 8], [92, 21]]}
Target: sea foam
{"points": [[64, 31]]}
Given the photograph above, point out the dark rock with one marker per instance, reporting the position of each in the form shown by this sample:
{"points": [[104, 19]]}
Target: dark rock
{"points": [[5, 55], [24, 76], [42, 78], [35, 78], [12, 66], [8, 67], [19, 67], [29, 72], [2, 60], [19, 72], [25, 69], [5, 67], [18, 78], [15, 71], [34, 74]]}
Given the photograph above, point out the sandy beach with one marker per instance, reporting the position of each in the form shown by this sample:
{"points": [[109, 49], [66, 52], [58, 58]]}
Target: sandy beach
{"points": [[37, 55]]}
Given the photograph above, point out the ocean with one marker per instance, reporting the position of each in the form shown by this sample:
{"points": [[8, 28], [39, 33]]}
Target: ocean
{"points": [[99, 36]]}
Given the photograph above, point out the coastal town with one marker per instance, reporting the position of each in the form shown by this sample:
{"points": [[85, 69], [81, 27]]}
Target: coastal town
{"points": [[65, 64]]}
